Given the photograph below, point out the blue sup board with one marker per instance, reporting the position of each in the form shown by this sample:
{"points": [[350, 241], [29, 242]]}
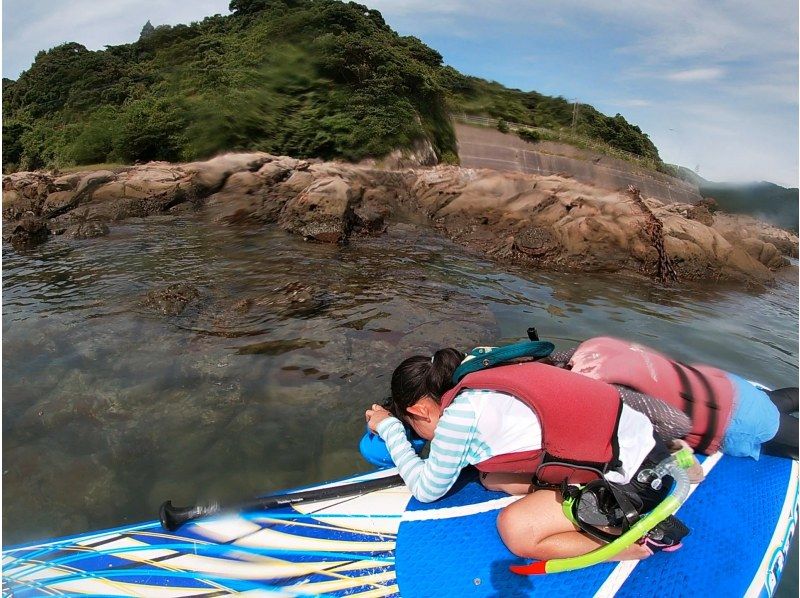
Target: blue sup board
{"points": [[385, 543]]}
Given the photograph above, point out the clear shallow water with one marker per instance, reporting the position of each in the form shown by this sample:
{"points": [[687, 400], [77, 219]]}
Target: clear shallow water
{"points": [[110, 407]]}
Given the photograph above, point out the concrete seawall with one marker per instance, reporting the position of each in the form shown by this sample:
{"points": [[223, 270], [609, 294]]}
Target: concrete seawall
{"points": [[482, 147]]}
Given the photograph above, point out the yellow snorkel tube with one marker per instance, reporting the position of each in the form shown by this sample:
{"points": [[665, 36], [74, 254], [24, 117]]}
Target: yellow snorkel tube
{"points": [[675, 466]]}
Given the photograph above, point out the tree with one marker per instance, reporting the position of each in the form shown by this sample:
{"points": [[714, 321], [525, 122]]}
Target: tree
{"points": [[147, 30], [250, 7], [12, 142], [150, 129]]}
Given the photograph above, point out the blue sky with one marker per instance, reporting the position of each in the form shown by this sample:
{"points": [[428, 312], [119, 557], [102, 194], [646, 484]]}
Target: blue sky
{"points": [[713, 82]]}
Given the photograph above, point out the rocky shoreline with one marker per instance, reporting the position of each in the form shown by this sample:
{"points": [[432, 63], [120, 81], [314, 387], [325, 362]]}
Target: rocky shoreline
{"points": [[548, 222]]}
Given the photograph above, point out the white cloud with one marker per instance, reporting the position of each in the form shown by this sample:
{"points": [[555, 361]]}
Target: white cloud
{"points": [[692, 75], [785, 93], [726, 29], [686, 29], [632, 103], [729, 142]]}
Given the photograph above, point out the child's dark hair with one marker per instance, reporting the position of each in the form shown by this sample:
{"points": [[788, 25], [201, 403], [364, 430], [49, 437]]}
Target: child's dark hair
{"points": [[418, 376]]}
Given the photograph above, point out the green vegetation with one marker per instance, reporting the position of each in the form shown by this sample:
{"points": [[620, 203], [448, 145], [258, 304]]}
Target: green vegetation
{"points": [[471, 95], [305, 78], [529, 135], [568, 137]]}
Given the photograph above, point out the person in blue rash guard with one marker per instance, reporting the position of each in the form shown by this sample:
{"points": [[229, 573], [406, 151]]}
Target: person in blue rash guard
{"points": [[727, 412], [481, 422]]}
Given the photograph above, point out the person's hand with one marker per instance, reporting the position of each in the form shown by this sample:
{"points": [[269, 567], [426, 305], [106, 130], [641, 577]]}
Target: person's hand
{"points": [[375, 415]]}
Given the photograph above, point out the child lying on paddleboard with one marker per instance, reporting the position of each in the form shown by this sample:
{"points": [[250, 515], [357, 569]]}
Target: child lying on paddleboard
{"points": [[518, 422]]}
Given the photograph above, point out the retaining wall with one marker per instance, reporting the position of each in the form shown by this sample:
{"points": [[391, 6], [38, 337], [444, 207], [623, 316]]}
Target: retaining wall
{"points": [[482, 147]]}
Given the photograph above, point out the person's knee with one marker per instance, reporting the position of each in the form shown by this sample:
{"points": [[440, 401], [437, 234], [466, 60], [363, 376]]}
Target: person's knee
{"points": [[517, 537]]}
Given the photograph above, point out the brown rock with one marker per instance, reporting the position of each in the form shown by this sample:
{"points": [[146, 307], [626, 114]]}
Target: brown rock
{"points": [[297, 182], [116, 190], [535, 241], [88, 229], [210, 176], [421, 153], [766, 253], [709, 203], [171, 300], [15, 204], [375, 208], [25, 192], [700, 213], [543, 221], [91, 181], [28, 231], [67, 182], [240, 200], [737, 227], [58, 203], [59, 224], [323, 212]]}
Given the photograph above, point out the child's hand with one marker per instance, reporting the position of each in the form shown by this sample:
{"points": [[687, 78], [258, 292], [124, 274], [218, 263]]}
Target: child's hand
{"points": [[376, 415]]}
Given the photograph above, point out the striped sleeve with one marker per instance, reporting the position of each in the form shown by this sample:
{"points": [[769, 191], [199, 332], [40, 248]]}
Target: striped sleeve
{"points": [[456, 444]]}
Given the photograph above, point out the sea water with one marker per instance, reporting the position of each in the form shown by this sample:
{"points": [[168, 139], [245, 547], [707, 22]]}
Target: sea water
{"points": [[261, 381]]}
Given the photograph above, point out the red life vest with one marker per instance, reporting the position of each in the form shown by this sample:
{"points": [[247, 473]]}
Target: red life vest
{"points": [[704, 393], [578, 416]]}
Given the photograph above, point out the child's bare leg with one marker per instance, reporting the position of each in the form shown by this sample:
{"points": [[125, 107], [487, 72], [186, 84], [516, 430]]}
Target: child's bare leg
{"points": [[510, 483], [536, 527]]}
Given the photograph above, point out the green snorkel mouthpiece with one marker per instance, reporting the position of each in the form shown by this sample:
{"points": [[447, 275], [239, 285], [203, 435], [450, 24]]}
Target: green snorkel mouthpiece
{"points": [[675, 466]]}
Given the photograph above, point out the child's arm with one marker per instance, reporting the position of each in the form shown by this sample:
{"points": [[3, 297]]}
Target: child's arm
{"points": [[454, 446]]}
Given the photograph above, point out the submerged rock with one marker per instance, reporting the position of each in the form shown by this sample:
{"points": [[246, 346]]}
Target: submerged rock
{"points": [[172, 299], [278, 347], [293, 299], [87, 230]]}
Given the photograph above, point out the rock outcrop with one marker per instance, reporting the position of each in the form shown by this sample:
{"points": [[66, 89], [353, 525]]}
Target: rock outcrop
{"points": [[541, 221]]}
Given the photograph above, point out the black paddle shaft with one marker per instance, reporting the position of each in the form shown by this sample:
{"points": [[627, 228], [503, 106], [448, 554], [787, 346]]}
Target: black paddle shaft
{"points": [[173, 517]]}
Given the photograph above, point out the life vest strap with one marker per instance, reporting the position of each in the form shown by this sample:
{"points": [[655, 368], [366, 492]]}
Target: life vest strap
{"points": [[587, 471], [686, 390], [689, 400], [713, 408]]}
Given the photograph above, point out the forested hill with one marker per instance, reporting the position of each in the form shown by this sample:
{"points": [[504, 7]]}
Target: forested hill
{"points": [[767, 201], [304, 78]]}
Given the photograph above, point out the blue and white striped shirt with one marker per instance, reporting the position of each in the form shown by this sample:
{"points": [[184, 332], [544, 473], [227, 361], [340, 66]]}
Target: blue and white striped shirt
{"points": [[480, 424], [458, 440]]}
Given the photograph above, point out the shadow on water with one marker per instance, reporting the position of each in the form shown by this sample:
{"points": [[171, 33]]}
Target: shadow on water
{"points": [[111, 406]]}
